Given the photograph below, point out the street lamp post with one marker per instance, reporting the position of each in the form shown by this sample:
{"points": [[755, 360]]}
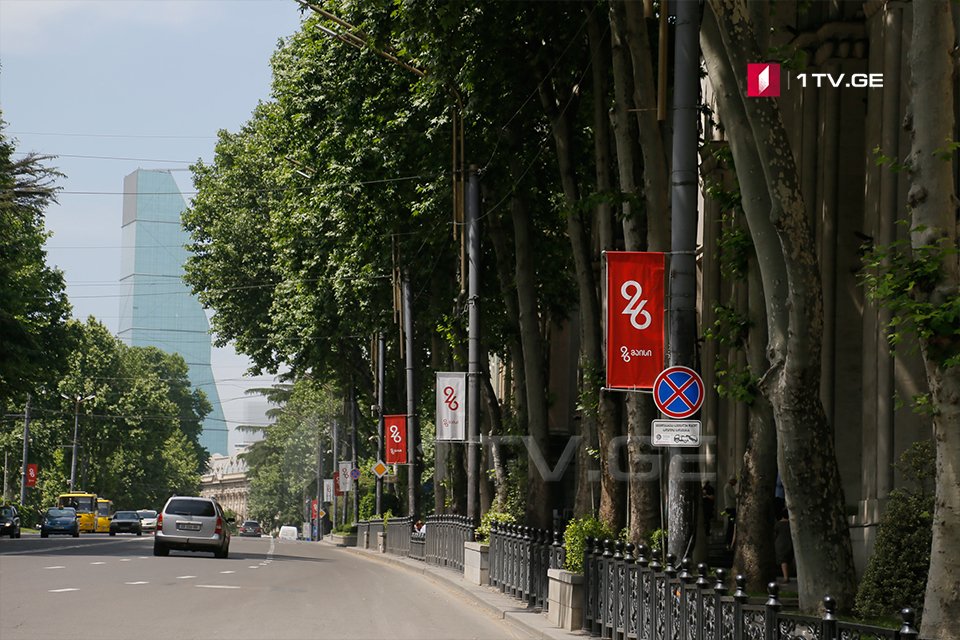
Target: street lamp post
{"points": [[76, 423]]}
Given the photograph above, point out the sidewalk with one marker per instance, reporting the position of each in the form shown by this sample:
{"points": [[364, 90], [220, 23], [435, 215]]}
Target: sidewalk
{"points": [[527, 621]]}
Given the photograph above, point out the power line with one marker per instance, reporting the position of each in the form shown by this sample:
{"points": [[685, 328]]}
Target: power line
{"points": [[110, 135]]}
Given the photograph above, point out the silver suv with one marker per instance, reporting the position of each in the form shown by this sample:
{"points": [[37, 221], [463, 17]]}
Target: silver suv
{"points": [[192, 524]]}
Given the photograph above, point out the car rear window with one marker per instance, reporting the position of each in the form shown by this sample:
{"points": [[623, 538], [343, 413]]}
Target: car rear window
{"points": [[191, 508]]}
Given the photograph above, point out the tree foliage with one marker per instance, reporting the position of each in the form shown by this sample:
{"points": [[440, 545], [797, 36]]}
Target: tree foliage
{"points": [[33, 302]]}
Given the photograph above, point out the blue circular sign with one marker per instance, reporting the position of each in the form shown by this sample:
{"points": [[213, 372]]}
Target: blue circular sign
{"points": [[678, 392]]}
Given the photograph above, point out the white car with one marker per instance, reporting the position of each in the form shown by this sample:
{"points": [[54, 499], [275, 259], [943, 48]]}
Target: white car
{"points": [[148, 519], [288, 533]]}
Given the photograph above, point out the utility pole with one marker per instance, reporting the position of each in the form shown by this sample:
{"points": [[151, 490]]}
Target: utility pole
{"points": [[381, 374], [336, 469], [26, 450], [319, 520], [353, 453], [76, 423], [413, 426], [681, 493], [473, 344]]}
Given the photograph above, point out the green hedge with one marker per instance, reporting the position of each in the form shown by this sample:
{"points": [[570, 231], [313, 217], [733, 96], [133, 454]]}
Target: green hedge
{"points": [[573, 539]]}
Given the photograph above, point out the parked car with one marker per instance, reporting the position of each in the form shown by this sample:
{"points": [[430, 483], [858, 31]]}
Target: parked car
{"points": [[148, 519], [9, 521], [125, 522], [288, 532], [251, 528], [192, 524], [60, 520]]}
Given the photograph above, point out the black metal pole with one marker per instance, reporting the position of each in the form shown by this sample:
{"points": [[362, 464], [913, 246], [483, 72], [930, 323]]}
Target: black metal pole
{"points": [[353, 453], [26, 450], [473, 356], [381, 373], [413, 431], [683, 276]]}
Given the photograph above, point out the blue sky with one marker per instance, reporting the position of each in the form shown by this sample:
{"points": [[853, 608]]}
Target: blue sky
{"points": [[111, 86]]}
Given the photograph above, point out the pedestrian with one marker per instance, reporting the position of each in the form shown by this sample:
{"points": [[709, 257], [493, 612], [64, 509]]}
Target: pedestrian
{"points": [[779, 496], [730, 509], [709, 497], [783, 545]]}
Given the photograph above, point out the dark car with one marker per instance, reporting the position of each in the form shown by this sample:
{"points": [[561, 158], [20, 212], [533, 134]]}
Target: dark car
{"points": [[9, 521], [60, 521], [125, 522], [251, 528]]}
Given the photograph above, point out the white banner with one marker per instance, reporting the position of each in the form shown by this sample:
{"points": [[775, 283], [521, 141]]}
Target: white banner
{"points": [[328, 490], [345, 481], [451, 406]]}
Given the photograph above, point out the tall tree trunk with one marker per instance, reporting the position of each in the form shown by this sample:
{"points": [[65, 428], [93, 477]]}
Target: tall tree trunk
{"points": [[494, 453], [538, 490], [643, 459], [656, 184], [754, 555], [612, 492], [560, 113], [933, 200], [806, 456]]}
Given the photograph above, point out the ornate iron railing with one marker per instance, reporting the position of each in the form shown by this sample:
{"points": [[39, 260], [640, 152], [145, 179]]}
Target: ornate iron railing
{"points": [[441, 544], [519, 559], [631, 596], [398, 535], [444, 540]]}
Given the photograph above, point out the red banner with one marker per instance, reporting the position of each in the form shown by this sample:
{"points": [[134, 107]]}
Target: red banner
{"points": [[395, 439], [313, 509], [31, 475], [635, 314], [336, 485]]}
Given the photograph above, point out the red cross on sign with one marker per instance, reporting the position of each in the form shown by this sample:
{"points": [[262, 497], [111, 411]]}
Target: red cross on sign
{"points": [[678, 392]]}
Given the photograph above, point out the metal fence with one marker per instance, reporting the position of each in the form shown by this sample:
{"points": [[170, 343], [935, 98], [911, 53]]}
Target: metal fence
{"points": [[631, 596], [446, 534], [441, 544], [519, 559]]}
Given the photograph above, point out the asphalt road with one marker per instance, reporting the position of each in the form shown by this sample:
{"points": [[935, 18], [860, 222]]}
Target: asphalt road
{"points": [[100, 588]]}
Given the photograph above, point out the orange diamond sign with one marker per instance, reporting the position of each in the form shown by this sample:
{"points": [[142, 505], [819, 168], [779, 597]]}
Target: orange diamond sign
{"points": [[380, 469]]}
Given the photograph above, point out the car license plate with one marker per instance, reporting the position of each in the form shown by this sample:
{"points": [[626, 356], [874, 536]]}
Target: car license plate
{"points": [[188, 526]]}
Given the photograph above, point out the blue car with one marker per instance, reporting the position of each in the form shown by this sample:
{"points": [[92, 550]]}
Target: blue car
{"points": [[60, 521]]}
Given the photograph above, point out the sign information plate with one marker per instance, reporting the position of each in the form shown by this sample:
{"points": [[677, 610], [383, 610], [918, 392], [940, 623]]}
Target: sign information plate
{"points": [[675, 433]]}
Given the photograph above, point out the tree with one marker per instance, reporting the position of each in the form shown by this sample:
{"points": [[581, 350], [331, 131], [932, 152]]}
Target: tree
{"points": [[33, 302], [794, 311], [920, 284]]}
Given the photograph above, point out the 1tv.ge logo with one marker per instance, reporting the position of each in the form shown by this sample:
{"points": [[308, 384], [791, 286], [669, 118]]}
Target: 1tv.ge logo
{"points": [[763, 80]]}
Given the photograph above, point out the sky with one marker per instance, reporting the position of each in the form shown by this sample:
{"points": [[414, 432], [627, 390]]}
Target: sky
{"points": [[111, 86]]}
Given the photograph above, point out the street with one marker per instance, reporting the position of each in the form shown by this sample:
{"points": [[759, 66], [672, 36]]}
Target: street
{"points": [[98, 587]]}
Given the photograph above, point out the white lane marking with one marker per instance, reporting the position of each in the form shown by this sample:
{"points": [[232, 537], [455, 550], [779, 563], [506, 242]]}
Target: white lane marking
{"points": [[56, 566], [185, 577], [62, 590], [137, 582], [142, 557], [124, 559], [253, 566], [228, 572], [98, 563], [216, 586]]}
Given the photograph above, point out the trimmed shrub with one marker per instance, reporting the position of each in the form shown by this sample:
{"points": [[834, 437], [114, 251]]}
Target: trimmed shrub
{"points": [[896, 575], [487, 519], [573, 540]]}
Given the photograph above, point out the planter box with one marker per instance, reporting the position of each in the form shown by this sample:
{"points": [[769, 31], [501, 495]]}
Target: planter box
{"points": [[566, 599], [344, 541], [476, 563]]}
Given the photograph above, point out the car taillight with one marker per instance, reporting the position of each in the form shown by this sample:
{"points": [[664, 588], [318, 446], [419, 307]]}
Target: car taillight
{"points": [[219, 528], [159, 521]]}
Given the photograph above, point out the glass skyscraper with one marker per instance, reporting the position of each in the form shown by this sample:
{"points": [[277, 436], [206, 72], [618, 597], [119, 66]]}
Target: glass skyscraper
{"points": [[158, 309]]}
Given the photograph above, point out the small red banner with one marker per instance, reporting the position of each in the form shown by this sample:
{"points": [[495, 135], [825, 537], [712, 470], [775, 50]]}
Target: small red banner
{"points": [[635, 318], [336, 485], [395, 439], [32, 475], [313, 509]]}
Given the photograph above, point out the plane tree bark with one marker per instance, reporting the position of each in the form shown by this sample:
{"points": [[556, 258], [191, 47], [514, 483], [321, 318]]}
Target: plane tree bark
{"points": [[806, 454]]}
